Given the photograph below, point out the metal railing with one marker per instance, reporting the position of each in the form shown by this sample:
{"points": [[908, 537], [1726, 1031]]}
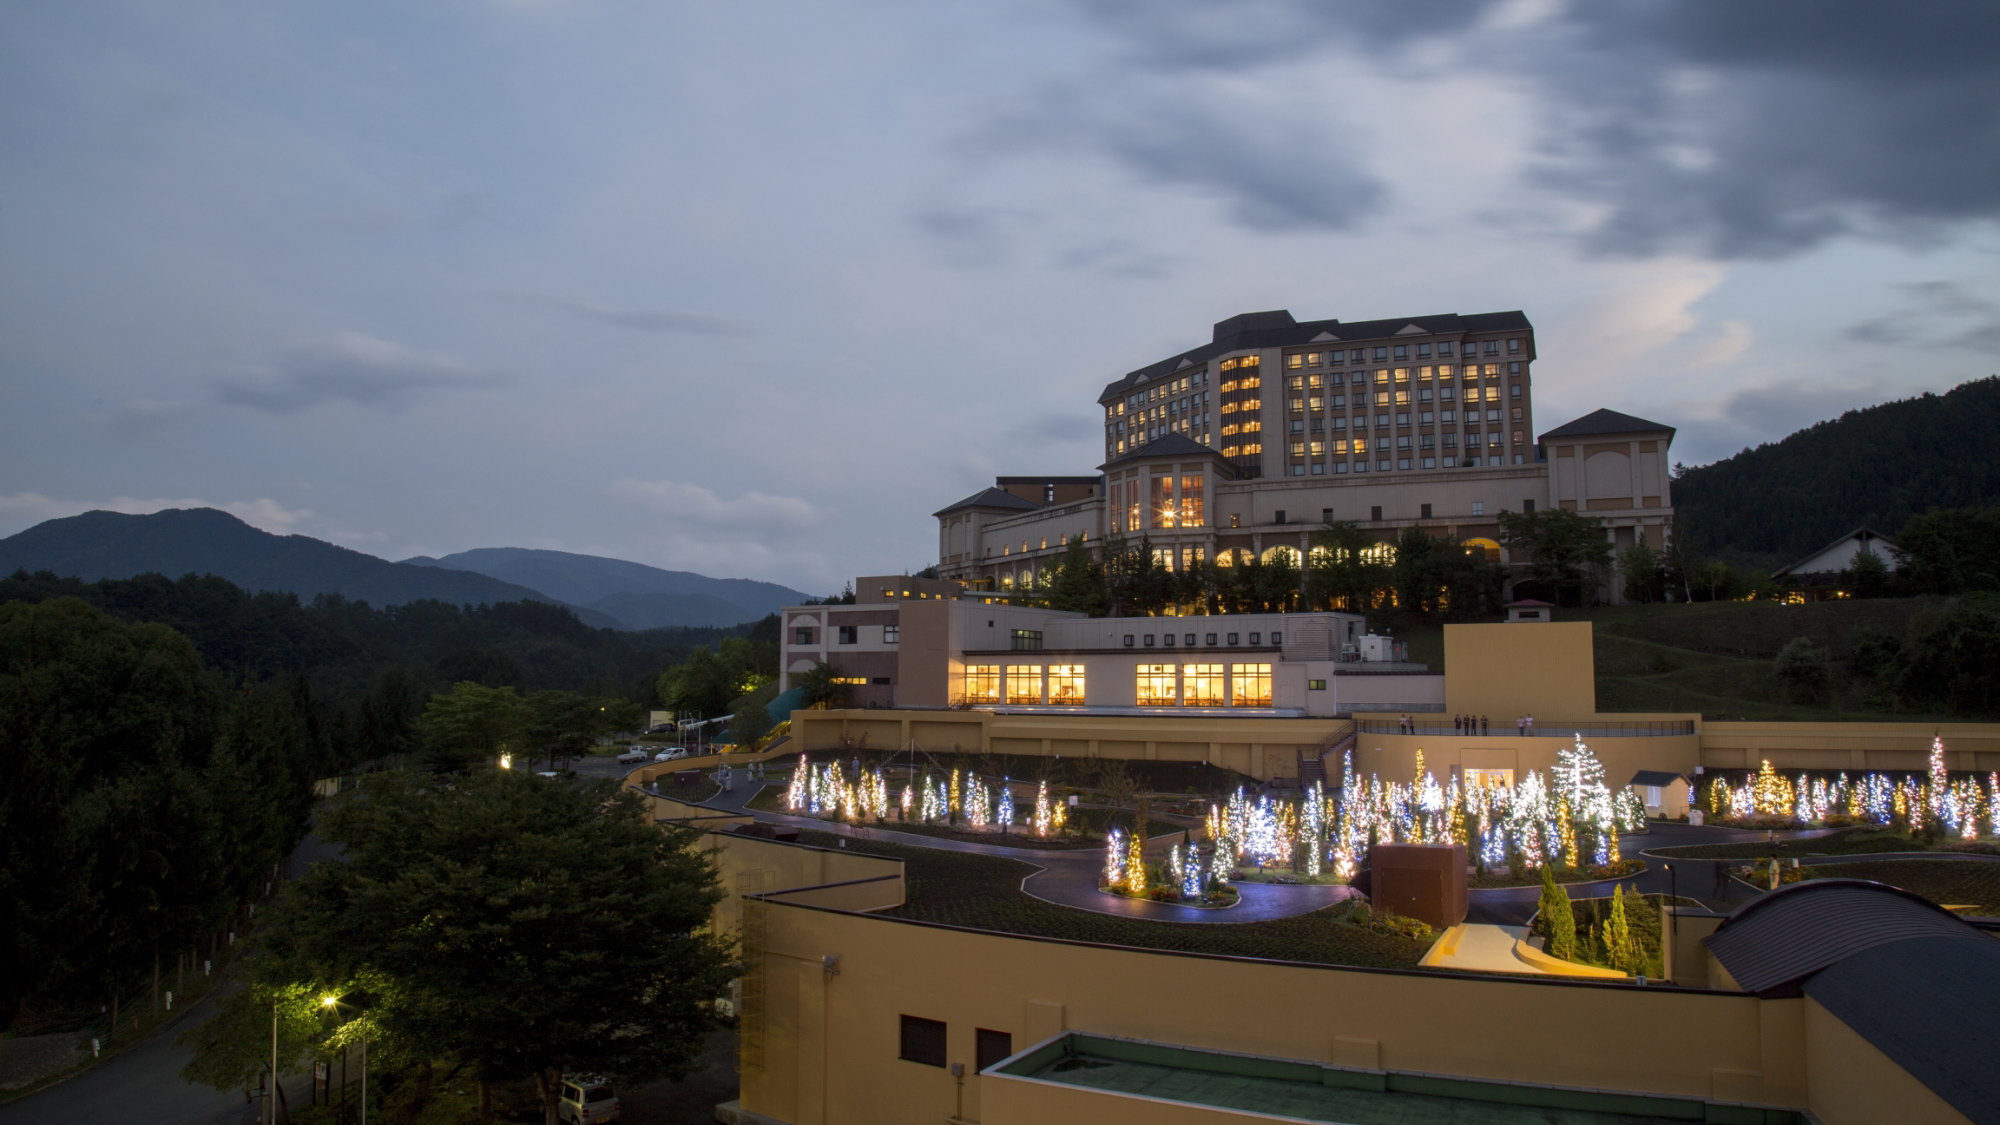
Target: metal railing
{"points": [[1432, 725]]}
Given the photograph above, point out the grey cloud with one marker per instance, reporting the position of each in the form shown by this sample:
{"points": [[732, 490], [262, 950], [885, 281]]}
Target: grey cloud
{"points": [[638, 320], [1116, 258], [1203, 35], [971, 236], [1762, 130], [1053, 428], [350, 367], [1271, 172], [1936, 314]]}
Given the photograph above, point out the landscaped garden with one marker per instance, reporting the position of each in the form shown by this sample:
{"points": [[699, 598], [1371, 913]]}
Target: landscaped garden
{"points": [[984, 892], [1621, 932], [1969, 885], [1932, 805], [1570, 821]]}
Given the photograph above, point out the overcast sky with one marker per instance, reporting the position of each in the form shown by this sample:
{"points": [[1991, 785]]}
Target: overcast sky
{"points": [[752, 289]]}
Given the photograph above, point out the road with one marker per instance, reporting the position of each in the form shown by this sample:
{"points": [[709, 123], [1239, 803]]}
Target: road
{"points": [[143, 1085]]}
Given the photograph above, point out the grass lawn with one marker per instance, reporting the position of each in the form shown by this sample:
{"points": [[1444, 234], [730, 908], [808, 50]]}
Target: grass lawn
{"points": [[1719, 658], [982, 892], [1948, 882], [1853, 841]]}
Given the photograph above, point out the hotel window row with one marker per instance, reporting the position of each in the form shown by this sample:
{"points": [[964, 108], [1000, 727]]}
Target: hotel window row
{"points": [[1156, 685]]}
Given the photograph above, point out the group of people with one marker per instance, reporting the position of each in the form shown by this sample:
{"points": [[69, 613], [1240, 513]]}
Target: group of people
{"points": [[1469, 724], [726, 778]]}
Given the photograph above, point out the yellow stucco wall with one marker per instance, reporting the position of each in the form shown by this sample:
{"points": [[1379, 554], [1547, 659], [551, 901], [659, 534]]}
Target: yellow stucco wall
{"points": [[1848, 746], [1262, 747], [1545, 669], [827, 1044]]}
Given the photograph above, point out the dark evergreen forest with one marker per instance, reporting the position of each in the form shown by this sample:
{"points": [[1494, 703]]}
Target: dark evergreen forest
{"points": [[342, 647], [1875, 467]]}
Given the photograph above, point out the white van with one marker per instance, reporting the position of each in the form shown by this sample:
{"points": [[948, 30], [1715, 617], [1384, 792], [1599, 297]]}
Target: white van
{"points": [[586, 1099]]}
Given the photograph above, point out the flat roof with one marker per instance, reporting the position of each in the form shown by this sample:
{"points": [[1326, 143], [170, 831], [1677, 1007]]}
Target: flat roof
{"points": [[1308, 1091]]}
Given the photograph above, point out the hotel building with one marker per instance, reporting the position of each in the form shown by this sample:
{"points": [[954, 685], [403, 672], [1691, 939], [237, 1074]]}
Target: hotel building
{"points": [[1239, 448]]}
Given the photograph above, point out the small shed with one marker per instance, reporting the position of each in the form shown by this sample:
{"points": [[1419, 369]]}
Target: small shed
{"points": [[1665, 794], [1528, 609]]}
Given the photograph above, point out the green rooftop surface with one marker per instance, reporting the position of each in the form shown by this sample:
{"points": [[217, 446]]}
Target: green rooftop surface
{"points": [[1312, 1092]]}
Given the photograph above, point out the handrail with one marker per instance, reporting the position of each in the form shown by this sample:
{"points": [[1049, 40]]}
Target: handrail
{"points": [[1430, 725]]}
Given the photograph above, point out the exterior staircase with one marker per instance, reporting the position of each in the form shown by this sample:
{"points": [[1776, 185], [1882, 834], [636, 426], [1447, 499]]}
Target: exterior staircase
{"points": [[1312, 762]]}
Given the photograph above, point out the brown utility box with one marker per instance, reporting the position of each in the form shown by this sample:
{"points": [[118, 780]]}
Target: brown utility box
{"points": [[1425, 881]]}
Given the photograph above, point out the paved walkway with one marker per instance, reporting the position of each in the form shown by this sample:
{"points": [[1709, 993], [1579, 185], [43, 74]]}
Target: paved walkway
{"points": [[1066, 877]]}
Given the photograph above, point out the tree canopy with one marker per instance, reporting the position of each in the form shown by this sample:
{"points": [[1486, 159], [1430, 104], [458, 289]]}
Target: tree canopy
{"points": [[1566, 552], [509, 925], [138, 804]]}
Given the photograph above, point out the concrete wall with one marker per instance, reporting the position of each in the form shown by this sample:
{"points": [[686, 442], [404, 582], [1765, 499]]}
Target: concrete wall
{"points": [[1849, 1082], [828, 1044]]}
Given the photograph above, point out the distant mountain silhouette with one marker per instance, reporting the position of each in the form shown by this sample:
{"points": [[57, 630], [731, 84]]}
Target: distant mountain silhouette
{"points": [[643, 597], [1874, 467], [182, 541]]}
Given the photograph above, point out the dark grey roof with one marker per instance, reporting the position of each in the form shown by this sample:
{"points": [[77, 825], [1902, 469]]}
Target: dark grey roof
{"points": [[1276, 329], [1605, 422], [990, 498], [1929, 1004], [1655, 777], [1868, 535], [1780, 939], [1172, 445]]}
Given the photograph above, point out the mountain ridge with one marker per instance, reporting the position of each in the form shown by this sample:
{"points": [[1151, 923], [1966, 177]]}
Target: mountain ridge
{"points": [[640, 595], [180, 541]]}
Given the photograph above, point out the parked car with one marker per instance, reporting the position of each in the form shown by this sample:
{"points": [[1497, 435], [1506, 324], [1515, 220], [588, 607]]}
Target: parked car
{"points": [[633, 756], [586, 1099], [671, 753]]}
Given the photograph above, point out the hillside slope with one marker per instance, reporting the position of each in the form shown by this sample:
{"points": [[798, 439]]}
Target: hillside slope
{"points": [[1874, 467], [182, 541]]}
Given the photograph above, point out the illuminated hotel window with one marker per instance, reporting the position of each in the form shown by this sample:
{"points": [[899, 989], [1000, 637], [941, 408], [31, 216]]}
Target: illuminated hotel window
{"points": [[1024, 683], [982, 683], [1250, 685], [1066, 683], [1202, 684], [1156, 685]]}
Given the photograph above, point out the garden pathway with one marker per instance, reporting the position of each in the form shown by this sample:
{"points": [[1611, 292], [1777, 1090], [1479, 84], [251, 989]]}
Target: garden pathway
{"points": [[1066, 878]]}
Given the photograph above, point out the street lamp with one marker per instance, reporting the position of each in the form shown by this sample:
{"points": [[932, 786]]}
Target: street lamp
{"points": [[331, 1001]]}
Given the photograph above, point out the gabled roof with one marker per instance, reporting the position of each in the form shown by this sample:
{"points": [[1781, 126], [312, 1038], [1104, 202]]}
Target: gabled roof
{"points": [[1655, 777], [990, 498], [1605, 422], [1867, 535], [1777, 941], [1178, 446], [1276, 329]]}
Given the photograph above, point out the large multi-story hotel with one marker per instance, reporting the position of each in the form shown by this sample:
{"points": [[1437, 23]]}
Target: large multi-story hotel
{"points": [[1244, 445]]}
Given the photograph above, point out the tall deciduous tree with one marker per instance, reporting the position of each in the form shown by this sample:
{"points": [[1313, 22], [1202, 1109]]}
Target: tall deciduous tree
{"points": [[1343, 571], [1566, 551], [514, 926], [470, 724]]}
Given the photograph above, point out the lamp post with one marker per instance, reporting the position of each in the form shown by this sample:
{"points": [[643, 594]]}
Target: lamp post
{"points": [[334, 1002]]}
